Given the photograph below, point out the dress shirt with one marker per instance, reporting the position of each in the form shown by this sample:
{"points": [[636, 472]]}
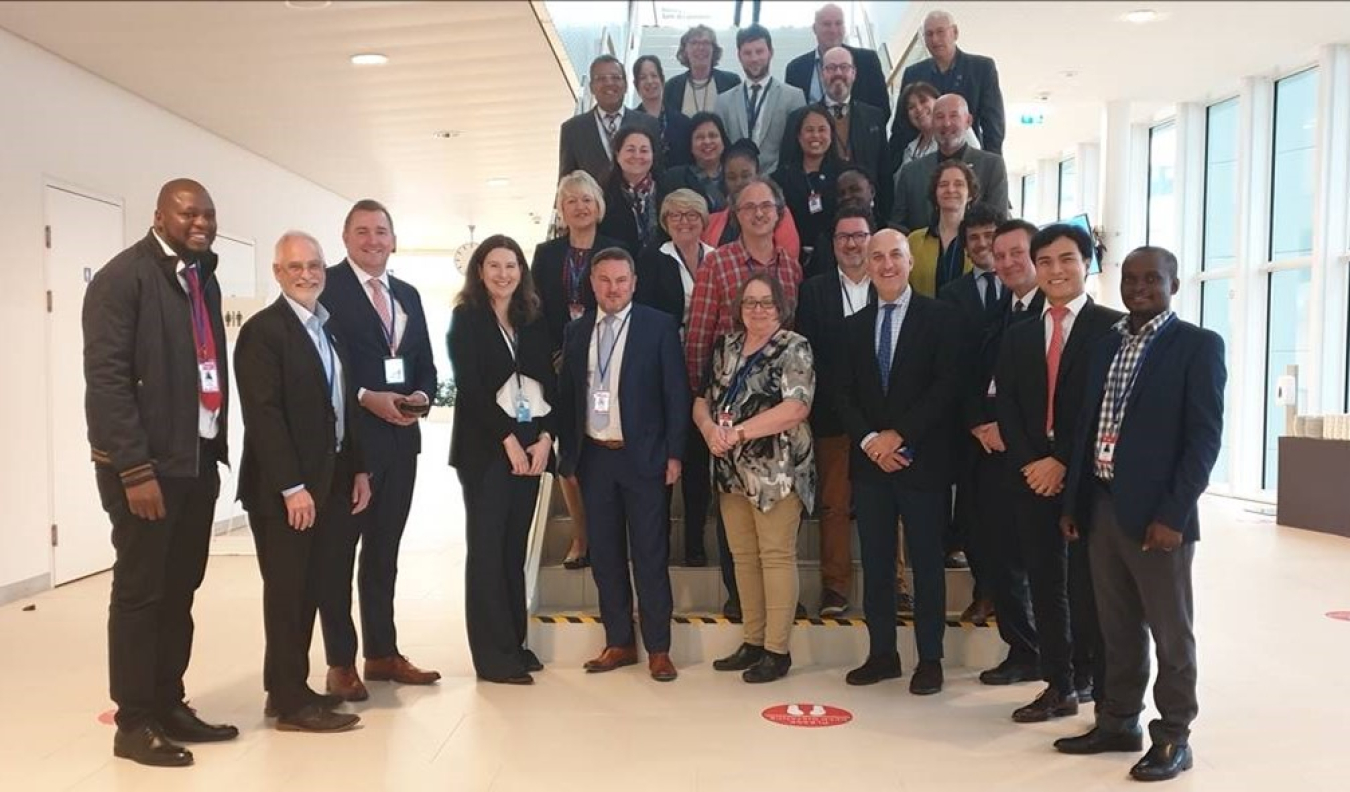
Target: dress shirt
{"points": [[747, 90], [400, 315], [207, 420], [313, 322], [1075, 307], [1120, 381], [1024, 302], [901, 304], [614, 431], [855, 294], [686, 277], [816, 90], [604, 134]]}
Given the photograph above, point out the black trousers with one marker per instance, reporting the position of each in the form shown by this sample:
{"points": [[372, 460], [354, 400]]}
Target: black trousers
{"points": [[292, 569], [696, 491], [158, 568], [498, 510], [380, 530], [626, 519], [996, 555]]}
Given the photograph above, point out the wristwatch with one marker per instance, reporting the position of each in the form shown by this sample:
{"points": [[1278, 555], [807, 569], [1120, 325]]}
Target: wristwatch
{"points": [[740, 434]]}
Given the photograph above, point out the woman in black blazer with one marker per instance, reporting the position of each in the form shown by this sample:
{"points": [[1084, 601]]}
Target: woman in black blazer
{"points": [[630, 194], [501, 443], [807, 171], [707, 140]]}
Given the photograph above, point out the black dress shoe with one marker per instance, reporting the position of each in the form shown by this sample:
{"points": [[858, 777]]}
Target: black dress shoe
{"points": [[1097, 741], [1050, 704], [1009, 673], [182, 724], [1163, 762], [697, 558], [744, 657], [876, 669], [530, 660], [731, 609], [770, 667], [313, 718], [956, 560], [927, 678], [325, 700], [147, 745], [517, 679]]}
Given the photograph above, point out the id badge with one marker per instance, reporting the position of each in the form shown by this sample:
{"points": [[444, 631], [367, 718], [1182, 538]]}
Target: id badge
{"points": [[209, 376], [993, 389], [600, 401], [725, 419], [522, 407], [575, 310], [1106, 449], [814, 204], [393, 371]]}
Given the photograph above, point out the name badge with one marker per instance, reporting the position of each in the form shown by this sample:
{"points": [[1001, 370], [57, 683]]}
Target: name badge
{"points": [[600, 401], [725, 419], [1106, 449], [993, 388], [522, 407], [393, 371], [209, 376], [575, 310], [814, 204]]}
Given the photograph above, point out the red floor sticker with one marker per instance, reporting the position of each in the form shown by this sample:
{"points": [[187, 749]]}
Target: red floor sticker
{"points": [[1339, 615], [106, 718], [811, 716]]}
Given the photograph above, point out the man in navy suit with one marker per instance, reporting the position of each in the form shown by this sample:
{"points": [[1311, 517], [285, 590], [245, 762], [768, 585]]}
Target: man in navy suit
{"points": [[381, 320], [1150, 431], [806, 71], [623, 396]]}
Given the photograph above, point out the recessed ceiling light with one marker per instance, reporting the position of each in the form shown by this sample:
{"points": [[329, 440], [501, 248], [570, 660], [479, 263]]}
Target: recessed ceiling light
{"points": [[498, 182], [308, 5], [369, 59], [446, 134], [1141, 16]]}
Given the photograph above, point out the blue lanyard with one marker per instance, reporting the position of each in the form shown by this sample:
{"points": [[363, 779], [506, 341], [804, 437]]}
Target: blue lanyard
{"points": [[602, 368], [1118, 402], [393, 320], [576, 262], [742, 374], [513, 344]]}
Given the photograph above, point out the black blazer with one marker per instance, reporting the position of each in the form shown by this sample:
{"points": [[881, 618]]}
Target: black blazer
{"points": [[820, 318], [674, 95], [981, 333], [866, 145], [1170, 437], [1020, 381], [655, 405], [797, 187], [290, 429], [548, 267], [685, 177], [920, 403], [868, 86], [355, 321], [482, 363], [581, 148], [658, 282], [973, 76], [675, 131], [620, 224]]}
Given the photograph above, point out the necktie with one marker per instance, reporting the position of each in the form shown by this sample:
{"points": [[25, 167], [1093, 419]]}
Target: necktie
{"points": [[752, 117], [381, 301], [884, 350], [603, 357], [990, 291], [611, 126], [1018, 306], [838, 111], [1052, 356], [204, 336]]}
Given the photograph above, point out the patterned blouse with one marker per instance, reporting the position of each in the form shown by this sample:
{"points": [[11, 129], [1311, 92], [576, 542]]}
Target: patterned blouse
{"points": [[766, 469]]}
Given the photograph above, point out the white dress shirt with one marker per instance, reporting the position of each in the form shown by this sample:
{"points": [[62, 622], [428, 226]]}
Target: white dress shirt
{"points": [[614, 431], [400, 315], [207, 420], [313, 323], [855, 294], [1024, 301]]}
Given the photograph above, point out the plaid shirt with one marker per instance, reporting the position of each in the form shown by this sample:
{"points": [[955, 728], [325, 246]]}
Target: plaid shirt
{"points": [[716, 287], [1120, 380]]}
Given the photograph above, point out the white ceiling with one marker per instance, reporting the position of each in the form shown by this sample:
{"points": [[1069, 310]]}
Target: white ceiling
{"points": [[278, 81]]}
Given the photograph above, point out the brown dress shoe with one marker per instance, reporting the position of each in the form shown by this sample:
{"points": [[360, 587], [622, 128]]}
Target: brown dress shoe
{"points": [[979, 612], [398, 669], [613, 657], [343, 682], [662, 670]]}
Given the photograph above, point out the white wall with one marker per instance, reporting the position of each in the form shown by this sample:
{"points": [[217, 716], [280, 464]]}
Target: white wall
{"points": [[65, 124]]}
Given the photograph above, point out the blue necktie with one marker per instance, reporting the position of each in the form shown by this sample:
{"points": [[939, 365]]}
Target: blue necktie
{"points": [[884, 347], [990, 292]]}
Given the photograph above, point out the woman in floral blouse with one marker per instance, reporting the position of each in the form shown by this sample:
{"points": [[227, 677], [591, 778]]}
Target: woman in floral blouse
{"points": [[752, 414]]}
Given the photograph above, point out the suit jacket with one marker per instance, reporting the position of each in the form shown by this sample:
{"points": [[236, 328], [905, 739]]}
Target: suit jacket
{"points": [[868, 86], [913, 208], [920, 402], [1170, 436], [779, 100], [653, 392], [973, 76], [355, 321], [548, 268], [482, 363], [619, 222], [658, 280], [581, 147], [820, 319], [981, 332], [675, 134], [1022, 392], [674, 91], [290, 429]]}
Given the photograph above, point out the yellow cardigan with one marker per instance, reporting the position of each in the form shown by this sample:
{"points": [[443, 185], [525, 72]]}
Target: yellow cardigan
{"points": [[925, 250]]}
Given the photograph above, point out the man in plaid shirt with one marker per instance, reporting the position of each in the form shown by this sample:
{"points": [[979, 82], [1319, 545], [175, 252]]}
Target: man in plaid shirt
{"points": [[758, 206]]}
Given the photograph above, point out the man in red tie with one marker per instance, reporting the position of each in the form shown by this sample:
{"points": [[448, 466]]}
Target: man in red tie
{"points": [[1039, 384], [156, 401]]}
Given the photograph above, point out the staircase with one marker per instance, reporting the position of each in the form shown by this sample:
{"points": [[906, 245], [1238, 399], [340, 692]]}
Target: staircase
{"points": [[788, 43]]}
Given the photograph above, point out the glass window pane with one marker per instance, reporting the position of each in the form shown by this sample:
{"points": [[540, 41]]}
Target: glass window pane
{"points": [[1162, 174], [1029, 198], [1216, 300], [1068, 189], [1292, 176], [1287, 343], [1221, 132]]}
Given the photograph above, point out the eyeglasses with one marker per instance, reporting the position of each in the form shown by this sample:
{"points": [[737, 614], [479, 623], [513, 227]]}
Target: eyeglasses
{"points": [[837, 68], [763, 303], [856, 238], [608, 78], [700, 43], [683, 217], [766, 207]]}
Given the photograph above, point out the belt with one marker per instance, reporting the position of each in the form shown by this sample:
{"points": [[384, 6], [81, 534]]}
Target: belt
{"points": [[612, 445]]}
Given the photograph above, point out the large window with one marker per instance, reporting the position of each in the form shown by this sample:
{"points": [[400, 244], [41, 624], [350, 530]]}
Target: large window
{"points": [[1029, 198], [1221, 198], [1216, 313], [1292, 176], [1068, 188], [1162, 178], [1286, 343]]}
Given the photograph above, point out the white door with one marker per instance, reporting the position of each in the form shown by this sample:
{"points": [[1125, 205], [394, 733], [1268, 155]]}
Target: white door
{"points": [[85, 233]]}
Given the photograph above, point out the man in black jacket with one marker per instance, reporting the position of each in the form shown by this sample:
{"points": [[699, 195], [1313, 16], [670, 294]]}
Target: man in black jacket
{"points": [[301, 474], [156, 401], [806, 71]]}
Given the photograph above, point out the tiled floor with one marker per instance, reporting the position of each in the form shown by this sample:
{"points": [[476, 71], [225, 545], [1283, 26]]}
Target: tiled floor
{"points": [[1274, 693]]}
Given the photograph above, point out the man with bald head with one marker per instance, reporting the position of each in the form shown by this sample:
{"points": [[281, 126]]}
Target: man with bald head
{"points": [[952, 71], [302, 472], [156, 402], [896, 398], [807, 71], [913, 206]]}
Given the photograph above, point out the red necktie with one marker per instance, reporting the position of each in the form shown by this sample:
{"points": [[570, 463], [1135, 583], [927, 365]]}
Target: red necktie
{"points": [[1052, 356], [203, 338]]}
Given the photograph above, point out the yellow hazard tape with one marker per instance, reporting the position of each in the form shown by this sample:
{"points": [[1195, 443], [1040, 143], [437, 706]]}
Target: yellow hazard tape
{"points": [[901, 621]]}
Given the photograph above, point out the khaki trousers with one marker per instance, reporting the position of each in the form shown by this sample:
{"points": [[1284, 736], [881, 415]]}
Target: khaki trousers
{"points": [[764, 548]]}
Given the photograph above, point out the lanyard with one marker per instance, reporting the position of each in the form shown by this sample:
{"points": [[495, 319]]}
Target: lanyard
{"points": [[742, 374], [576, 262], [393, 320], [752, 108], [843, 287], [511, 344], [602, 367], [1119, 400], [197, 307], [697, 266]]}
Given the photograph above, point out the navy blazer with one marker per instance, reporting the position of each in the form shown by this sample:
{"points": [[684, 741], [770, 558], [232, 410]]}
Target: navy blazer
{"points": [[1169, 439], [973, 76], [355, 321], [868, 86], [653, 390]]}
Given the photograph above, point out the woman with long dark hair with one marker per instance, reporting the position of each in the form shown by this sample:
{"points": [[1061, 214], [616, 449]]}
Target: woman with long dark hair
{"points": [[807, 172], [649, 78], [630, 194]]}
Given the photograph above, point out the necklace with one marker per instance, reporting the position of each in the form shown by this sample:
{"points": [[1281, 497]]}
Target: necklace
{"points": [[700, 93]]}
